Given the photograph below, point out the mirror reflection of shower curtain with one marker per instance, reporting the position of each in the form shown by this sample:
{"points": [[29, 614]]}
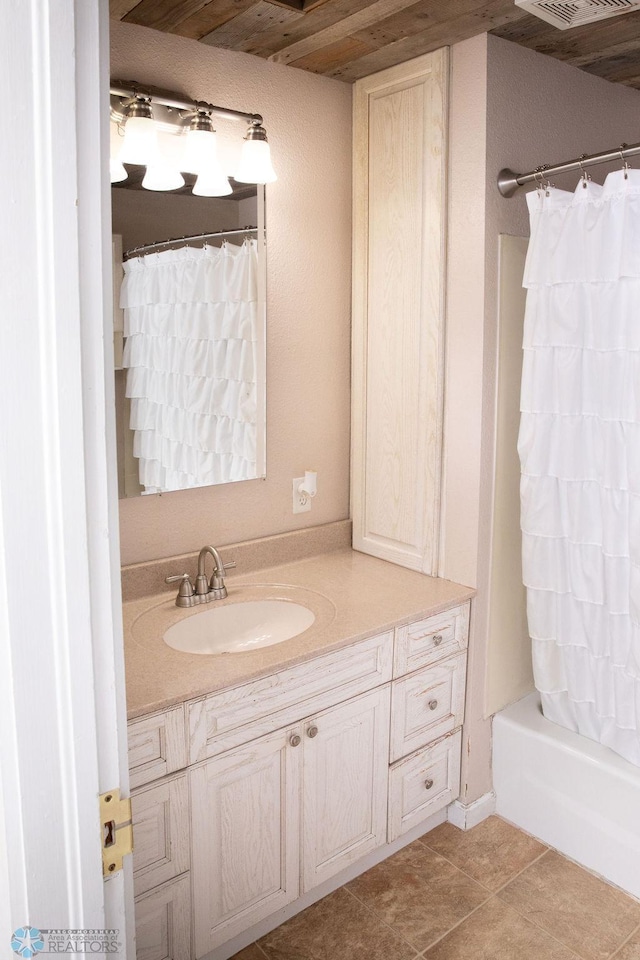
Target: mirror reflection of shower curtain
{"points": [[579, 448], [190, 354]]}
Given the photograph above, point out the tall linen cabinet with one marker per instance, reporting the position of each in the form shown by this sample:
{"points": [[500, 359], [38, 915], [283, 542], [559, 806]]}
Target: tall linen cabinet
{"points": [[400, 121]]}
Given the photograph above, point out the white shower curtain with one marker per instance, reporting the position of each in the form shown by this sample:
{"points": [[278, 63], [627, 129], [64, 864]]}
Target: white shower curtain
{"points": [[579, 448], [190, 328]]}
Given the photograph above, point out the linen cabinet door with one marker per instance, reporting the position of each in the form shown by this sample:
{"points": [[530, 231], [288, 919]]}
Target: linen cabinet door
{"points": [[345, 775], [245, 836]]}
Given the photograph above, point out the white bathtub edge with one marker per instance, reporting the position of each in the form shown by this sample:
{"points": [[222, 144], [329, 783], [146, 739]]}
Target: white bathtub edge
{"points": [[571, 793]]}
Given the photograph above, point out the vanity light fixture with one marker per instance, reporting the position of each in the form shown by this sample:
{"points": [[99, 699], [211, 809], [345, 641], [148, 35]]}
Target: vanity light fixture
{"points": [[140, 137], [161, 175], [132, 110], [163, 171], [211, 183], [200, 150], [201, 158], [255, 162]]}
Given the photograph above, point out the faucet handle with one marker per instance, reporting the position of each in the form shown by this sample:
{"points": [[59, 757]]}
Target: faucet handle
{"points": [[186, 587], [228, 564]]}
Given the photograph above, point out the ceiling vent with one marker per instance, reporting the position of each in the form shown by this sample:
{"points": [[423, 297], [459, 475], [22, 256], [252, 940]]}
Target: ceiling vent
{"points": [[565, 14]]}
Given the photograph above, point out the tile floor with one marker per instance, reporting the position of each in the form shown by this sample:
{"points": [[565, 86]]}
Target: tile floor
{"points": [[492, 893]]}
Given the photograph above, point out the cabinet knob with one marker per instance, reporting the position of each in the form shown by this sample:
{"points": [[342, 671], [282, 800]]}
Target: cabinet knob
{"points": [[437, 640], [428, 784], [433, 704], [312, 732], [295, 740]]}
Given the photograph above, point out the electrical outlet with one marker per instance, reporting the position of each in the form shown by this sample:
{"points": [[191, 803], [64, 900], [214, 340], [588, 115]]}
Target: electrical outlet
{"points": [[301, 503]]}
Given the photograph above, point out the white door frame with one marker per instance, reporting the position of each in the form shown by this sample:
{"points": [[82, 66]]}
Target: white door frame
{"points": [[62, 712]]}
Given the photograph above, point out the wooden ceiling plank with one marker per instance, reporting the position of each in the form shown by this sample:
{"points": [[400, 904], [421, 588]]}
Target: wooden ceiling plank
{"points": [[261, 16], [163, 14], [120, 8], [524, 31], [488, 15], [617, 69], [339, 31], [333, 55], [415, 19], [211, 16], [581, 45], [291, 4], [317, 19]]}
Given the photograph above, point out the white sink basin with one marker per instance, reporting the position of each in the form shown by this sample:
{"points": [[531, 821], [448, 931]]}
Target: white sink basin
{"points": [[238, 627]]}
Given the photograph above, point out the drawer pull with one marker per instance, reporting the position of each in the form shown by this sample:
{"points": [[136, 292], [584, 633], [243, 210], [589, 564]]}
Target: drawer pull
{"points": [[295, 740], [433, 704], [428, 784], [437, 640], [312, 732]]}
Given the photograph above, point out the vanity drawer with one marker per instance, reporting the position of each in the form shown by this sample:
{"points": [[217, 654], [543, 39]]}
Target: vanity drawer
{"points": [[225, 720], [160, 815], [422, 784], [427, 641], [427, 705], [157, 746]]}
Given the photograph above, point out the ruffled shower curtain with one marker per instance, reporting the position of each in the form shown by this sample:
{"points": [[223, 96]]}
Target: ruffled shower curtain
{"points": [[579, 448], [190, 328]]}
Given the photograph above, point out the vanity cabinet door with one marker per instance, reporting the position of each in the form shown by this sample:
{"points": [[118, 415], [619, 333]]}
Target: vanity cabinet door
{"points": [[345, 775], [245, 836]]}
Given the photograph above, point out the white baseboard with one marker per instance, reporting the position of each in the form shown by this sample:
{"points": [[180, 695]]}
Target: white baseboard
{"points": [[468, 815]]}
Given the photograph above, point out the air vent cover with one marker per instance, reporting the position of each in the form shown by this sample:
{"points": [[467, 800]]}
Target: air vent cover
{"points": [[565, 14]]}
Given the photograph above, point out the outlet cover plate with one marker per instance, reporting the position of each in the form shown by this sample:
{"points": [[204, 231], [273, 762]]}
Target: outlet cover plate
{"points": [[300, 504]]}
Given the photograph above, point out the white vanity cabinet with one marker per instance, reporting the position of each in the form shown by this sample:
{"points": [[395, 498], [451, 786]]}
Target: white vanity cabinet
{"points": [[251, 797], [278, 816]]}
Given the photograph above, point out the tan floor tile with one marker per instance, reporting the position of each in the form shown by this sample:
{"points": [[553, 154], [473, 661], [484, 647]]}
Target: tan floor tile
{"points": [[631, 950], [492, 853], [585, 913], [418, 893], [336, 928], [495, 932], [252, 952]]}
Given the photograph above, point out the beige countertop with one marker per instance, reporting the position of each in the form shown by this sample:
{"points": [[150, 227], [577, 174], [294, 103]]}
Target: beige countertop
{"points": [[352, 595]]}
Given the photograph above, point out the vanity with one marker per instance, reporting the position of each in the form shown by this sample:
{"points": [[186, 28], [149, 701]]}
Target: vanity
{"points": [[262, 780]]}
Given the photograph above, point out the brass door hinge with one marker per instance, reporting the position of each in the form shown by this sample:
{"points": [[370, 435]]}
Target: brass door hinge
{"points": [[117, 831]]}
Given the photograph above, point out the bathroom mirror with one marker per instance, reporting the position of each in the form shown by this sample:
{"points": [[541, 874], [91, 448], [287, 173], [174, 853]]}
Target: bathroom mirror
{"points": [[189, 335]]}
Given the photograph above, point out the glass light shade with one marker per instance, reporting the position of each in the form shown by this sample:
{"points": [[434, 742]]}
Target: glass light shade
{"points": [[255, 163], [200, 151], [161, 175], [140, 141], [117, 171], [212, 183]]}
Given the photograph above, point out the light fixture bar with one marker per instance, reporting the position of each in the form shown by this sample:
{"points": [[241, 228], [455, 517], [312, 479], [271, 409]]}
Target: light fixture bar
{"points": [[130, 92]]}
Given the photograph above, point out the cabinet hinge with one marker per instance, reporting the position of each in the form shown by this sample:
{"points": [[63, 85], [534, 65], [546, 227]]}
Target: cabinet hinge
{"points": [[116, 829]]}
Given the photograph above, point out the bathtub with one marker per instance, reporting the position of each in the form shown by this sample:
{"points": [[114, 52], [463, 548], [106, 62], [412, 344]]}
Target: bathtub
{"points": [[571, 793]]}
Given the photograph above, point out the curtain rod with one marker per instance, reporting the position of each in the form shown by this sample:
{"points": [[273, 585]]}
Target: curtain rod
{"points": [[197, 236], [509, 182]]}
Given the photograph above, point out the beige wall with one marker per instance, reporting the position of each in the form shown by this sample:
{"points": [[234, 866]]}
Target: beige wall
{"points": [[459, 553], [510, 671], [308, 120]]}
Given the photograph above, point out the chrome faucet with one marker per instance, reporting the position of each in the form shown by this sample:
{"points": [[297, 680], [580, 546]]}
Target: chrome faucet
{"points": [[204, 590]]}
